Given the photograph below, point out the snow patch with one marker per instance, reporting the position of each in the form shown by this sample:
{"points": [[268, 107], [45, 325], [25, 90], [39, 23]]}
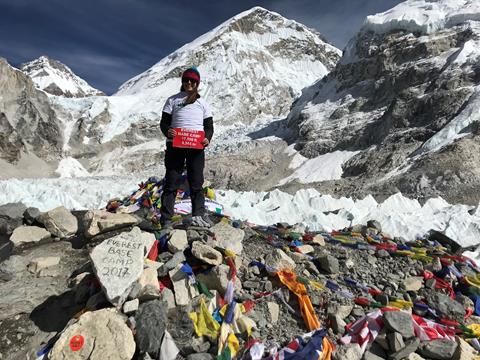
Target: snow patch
{"points": [[424, 16], [70, 167], [322, 168]]}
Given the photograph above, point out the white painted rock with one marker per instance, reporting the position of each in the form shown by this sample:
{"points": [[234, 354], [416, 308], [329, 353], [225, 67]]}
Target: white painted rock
{"points": [[118, 264], [105, 337], [28, 235]]}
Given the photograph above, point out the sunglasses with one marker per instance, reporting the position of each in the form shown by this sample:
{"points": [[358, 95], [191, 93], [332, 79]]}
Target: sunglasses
{"points": [[186, 80]]}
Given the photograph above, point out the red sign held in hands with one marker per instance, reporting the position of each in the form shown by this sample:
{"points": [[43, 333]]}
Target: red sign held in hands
{"points": [[190, 139]]}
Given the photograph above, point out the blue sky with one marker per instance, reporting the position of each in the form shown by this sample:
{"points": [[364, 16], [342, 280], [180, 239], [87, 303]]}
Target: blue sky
{"points": [[106, 42]]}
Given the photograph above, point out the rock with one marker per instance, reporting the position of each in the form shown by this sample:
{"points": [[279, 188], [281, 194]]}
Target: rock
{"points": [[255, 285], [382, 299], [464, 351], [328, 263], [337, 324], [274, 311], [11, 217], [150, 319], [279, 260], [101, 221], [318, 240], [168, 298], [375, 351], [395, 341], [171, 264], [430, 283], [374, 224], [200, 356], [410, 347], [105, 334], [305, 249], [118, 264], [443, 239], [178, 241], [131, 306], [183, 290], [349, 263], [42, 266], [400, 322], [335, 309], [414, 356], [217, 279], [206, 253], [180, 326], [441, 349], [297, 257], [149, 288], [371, 356], [413, 283], [228, 237], [30, 215], [446, 307], [59, 222], [382, 340], [382, 254], [348, 352], [28, 235]]}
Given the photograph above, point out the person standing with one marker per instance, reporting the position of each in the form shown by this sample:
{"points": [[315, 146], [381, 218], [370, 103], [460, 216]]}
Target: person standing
{"points": [[185, 110]]}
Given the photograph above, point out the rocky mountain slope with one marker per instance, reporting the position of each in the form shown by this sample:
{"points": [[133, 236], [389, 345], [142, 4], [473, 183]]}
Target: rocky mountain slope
{"points": [[56, 78], [31, 135], [405, 95]]}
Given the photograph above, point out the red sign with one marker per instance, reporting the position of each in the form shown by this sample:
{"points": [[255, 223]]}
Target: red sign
{"points": [[186, 138], [76, 342]]}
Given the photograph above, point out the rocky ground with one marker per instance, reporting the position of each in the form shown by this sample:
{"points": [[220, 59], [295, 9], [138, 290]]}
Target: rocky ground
{"points": [[105, 285]]}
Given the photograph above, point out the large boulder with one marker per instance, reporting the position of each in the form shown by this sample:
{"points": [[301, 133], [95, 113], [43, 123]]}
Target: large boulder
{"points": [[101, 221], [227, 237], [118, 264], [59, 222], [97, 335], [28, 235], [11, 217], [150, 319]]}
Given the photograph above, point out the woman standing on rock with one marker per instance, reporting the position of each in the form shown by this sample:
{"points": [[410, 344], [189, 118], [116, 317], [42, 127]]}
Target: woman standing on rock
{"points": [[182, 113]]}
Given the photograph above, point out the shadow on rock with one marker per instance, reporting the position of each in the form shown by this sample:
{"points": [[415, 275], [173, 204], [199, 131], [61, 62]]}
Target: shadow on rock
{"points": [[277, 128], [55, 312]]}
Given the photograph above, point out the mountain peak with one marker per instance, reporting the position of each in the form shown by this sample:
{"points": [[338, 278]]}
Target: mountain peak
{"points": [[257, 54], [56, 78]]}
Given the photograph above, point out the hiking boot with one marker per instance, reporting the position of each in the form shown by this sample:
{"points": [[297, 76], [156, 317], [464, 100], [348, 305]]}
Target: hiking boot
{"points": [[201, 221]]}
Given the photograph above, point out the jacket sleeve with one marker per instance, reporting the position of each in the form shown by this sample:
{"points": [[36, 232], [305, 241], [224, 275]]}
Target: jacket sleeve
{"points": [[165, 122], [208, 128]]}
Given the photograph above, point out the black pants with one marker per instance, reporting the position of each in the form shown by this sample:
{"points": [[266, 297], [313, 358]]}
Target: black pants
{"points": [[175, 160]]}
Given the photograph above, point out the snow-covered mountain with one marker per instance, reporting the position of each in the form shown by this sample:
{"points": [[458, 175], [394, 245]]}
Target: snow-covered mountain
{"points": [[252, 65], [58, 79], [403, 102]]}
